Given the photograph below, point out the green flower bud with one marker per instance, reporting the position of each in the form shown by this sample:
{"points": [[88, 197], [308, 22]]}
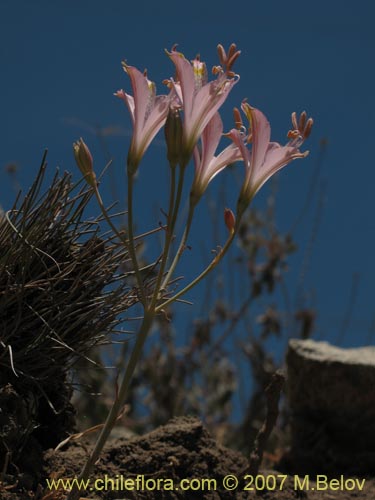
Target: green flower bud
{"points": [[173, 136], [230, 220], [84, 161]]}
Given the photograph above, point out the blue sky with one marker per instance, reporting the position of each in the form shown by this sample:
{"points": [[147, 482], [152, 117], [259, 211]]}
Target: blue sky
{"points": [[60, 64]]}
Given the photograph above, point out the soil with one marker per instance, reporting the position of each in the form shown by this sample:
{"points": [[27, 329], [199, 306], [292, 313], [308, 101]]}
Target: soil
{"points": [[183, 449]]}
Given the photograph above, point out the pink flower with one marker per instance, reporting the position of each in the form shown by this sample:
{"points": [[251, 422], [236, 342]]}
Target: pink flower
{"points": [[266, 158], [148, 113], [207, 165], [200, 99]]}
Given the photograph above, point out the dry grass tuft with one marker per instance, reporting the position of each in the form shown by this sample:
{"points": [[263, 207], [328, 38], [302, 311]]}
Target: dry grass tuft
{"points": [[62, 291]]}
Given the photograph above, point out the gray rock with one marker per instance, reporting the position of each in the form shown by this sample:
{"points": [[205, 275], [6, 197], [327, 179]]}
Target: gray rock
{"points": [[331, 393]]}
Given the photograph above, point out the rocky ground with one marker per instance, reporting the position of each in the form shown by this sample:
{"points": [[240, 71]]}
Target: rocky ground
{"points": [[183, 449], [331, 396]]}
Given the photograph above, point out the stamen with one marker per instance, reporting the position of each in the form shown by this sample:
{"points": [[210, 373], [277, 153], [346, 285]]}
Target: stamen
{"points": [[232, 60], [217, 70], [294, 120], [222, 54], [232, 50], [302, 121], [308, 127], [293, 134], [151, 86], [237, 118], [227, 61], [302, 128], [200, 73]]}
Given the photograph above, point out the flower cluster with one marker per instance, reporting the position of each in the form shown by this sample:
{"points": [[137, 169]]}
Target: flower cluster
{"points": [[190, 115], [194, 128], [198, 133]]}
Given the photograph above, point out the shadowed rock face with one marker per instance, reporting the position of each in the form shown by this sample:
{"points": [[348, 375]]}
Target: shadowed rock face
{"points": [[331, 393]]}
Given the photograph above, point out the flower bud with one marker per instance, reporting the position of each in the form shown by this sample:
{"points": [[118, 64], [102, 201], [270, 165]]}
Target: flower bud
{"points": [[229, 219], [84, 161], [173, 136]]}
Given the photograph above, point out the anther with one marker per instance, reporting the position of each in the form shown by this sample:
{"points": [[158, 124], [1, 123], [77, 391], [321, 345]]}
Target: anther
{"points": [[294, 120], [231, 60], [302, 120], [308, 127], [232, 50], [237, 118], [222, 54]]}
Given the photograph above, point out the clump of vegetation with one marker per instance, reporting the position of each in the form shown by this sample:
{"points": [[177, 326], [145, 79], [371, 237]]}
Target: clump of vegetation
{"points": [[62, 292]]}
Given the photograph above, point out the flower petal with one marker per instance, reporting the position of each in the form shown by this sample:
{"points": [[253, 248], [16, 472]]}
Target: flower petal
{"points": [[276, 158], [154, 122], [148, 112], [229, 155], [185, 78], [239, 140], [128, 100], [141, 95], [206, 103], [207, 165], [200, 100], [261, 135], [210, 138]]}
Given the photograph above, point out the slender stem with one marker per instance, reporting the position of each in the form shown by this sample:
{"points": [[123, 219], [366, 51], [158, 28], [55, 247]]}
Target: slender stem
{"points": [[168, 236], [118, 403], [204, 273], [181, 247], [120, 236], [128, 243], [131, 247], [178, 196]]}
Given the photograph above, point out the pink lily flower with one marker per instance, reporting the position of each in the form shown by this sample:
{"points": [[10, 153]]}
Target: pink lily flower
{"points": [[266, 158], [148, 113], [207, 165], [200, 99]]}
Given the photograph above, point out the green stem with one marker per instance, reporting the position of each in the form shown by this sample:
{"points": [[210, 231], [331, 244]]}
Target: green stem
{"points": [[118, 403], [120, 236], [181, 247], [131, 247], [178, 197], [168, 236], [204, 273]]}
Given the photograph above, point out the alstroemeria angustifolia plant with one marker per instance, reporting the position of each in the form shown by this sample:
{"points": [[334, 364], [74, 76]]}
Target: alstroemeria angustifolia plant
{"points": [[193, 129]]}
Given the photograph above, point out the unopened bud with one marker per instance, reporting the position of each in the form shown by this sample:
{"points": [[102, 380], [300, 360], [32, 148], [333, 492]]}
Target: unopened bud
{"points": [[173, 136], [84, 161], [229, 219]]}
